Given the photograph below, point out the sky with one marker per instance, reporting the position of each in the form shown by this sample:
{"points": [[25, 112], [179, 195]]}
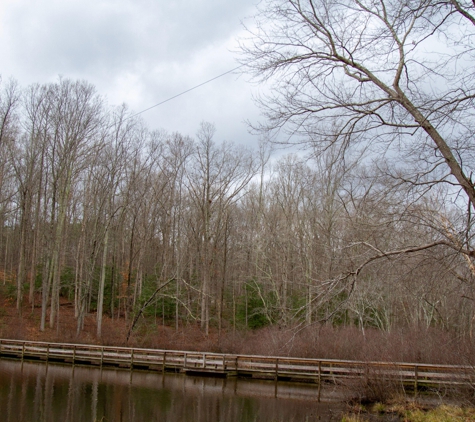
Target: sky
{"points": [[138, 52]]}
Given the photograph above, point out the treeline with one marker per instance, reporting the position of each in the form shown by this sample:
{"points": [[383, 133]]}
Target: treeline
{"points": [[98, 210]]}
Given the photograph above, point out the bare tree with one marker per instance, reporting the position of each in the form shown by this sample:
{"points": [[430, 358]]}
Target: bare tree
{"points": [[76, 119], [9, 132], [216, 179], [171, 199], [9, 102], [31, 173], [395, 80], [109, 179], [389, 74]]}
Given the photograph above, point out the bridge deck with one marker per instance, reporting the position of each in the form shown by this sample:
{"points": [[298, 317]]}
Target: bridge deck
{"points": [[226, 365]]}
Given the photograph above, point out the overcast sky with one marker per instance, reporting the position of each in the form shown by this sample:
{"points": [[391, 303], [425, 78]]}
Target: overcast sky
{"points": [[138, 52]]}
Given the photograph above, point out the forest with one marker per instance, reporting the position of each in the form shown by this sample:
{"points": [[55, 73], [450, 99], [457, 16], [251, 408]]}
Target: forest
{"points": [[365, 224], [101, 211]]}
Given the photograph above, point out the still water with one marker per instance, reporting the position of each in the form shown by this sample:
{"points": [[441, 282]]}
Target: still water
{"points": [[41, 392]]}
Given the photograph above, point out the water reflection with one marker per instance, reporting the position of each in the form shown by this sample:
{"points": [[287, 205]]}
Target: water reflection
{"points": [[40, 392]]}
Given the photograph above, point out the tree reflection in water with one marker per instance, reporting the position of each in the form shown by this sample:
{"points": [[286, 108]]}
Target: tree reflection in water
{"points": [[50, 392]]}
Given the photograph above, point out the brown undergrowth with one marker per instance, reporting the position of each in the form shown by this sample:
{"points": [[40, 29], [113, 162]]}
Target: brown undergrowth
{"points": [[408, 344]]}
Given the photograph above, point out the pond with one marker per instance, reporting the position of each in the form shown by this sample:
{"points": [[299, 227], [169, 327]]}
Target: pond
{"points": [[52, 392]]}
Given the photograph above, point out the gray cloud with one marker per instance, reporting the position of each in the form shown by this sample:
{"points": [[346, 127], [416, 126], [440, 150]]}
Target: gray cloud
{"points": [[138, 52]]}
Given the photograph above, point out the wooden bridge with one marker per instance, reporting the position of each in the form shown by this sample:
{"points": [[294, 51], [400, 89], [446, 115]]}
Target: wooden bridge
{"points": [[413, 375]]}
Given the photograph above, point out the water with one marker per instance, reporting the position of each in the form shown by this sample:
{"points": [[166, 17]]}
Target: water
{"points": [[40, 392]]}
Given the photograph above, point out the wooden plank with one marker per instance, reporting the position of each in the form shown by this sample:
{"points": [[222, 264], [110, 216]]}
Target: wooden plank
{"points": [[250, 365]]}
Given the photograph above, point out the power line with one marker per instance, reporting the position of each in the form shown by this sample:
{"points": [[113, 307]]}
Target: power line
{"points": [[193, 88], [184, 92]]}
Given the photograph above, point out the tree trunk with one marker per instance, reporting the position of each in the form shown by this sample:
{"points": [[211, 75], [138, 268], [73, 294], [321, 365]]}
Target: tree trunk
{"points": [[102, 283]]}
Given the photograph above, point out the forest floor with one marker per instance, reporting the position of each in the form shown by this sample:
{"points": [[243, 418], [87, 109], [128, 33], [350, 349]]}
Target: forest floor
{"points": [[407, 344]]}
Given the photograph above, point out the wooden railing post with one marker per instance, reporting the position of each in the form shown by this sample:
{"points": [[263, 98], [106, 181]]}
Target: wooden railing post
{"points": [[164, 361], [416, 375], [319, 380]]}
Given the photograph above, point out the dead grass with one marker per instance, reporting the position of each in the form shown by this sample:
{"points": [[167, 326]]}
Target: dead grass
{"points": [[442, 413], [409, 410], [412, 412]]}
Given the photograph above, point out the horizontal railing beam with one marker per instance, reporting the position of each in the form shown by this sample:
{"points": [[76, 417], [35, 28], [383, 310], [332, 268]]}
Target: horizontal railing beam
{"points": [[251, 364]]}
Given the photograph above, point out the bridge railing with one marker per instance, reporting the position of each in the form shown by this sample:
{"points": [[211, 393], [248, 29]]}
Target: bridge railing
{"points": [[234, 364]]}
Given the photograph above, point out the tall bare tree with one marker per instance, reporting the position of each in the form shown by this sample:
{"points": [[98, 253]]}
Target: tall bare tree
{"points": [[374, 72], [216, 179], [76, 121], [9, 132]]}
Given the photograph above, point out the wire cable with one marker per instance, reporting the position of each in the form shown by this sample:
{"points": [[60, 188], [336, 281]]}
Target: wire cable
{"points": [[185, 92]]}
